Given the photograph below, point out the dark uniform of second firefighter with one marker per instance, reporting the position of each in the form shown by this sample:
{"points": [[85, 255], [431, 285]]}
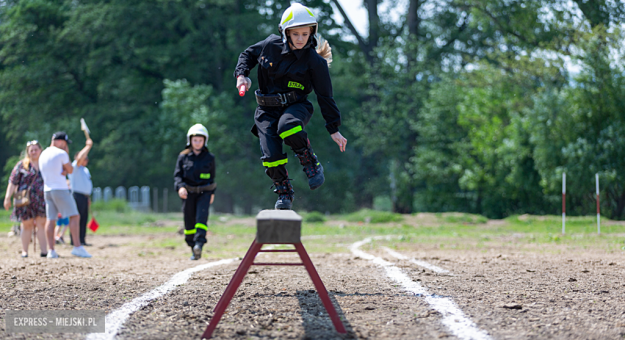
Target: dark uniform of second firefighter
{"points": [[285, 78], [196, 173]]}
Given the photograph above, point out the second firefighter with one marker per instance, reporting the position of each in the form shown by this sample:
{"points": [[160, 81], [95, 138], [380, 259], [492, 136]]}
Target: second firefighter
{"points": [[194, 180]]}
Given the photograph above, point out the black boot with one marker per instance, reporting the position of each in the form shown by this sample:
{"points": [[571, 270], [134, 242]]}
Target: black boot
{"points": [[285, 193], [197, 252], [312, 167]]}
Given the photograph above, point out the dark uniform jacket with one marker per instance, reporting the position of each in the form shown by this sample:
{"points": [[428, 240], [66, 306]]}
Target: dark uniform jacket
{"points": [[283, 70], [194, 170]]}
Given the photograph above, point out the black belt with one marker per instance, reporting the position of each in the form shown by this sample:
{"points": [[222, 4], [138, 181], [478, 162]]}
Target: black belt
{"points": [[280, 99], [199, 190]]}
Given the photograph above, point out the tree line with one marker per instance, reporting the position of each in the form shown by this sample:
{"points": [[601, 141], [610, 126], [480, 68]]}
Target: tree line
{"points": [[475, 105]]}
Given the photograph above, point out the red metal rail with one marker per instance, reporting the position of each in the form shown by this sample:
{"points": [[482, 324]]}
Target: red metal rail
{"points": [[245, 265]]}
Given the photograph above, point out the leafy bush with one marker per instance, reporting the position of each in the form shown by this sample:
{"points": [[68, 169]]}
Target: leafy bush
{"points": [[373, 216], [314, 217], [116, 205], [382, 203]]}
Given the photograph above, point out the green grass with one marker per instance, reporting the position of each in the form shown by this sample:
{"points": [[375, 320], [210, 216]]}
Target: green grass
{"points": [[133, 230], [462, 218], [373, 216], [5, 221], [117, 205], [446, 230], [116, 218], [553, 224], [313, 217], [131, 218]]}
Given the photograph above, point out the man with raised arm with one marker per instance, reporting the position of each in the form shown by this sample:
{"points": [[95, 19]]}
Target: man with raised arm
{"points": [[81, 186]]}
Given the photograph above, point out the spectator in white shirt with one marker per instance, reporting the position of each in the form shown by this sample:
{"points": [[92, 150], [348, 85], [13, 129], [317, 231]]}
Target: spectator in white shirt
{"points": [[54, 165]]}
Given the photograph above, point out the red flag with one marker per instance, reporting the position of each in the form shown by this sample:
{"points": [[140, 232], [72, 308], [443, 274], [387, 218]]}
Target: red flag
{"points": [[93, 225]]}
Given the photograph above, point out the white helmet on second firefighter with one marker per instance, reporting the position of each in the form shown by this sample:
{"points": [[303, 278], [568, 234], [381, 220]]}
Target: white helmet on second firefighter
{"points": [[197, 130], [298, 15]]}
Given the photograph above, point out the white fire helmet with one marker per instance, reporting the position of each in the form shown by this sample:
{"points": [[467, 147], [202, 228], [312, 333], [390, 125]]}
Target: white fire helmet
{"points": [[298, 15], [197, 130]]}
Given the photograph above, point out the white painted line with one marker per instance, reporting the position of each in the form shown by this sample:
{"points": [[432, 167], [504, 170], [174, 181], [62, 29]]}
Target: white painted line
{"points": [[115, 320], [453, 318], [417, 262]]}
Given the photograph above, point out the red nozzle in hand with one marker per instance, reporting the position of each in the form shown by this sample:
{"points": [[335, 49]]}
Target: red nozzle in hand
{"points": [[242, 90]]}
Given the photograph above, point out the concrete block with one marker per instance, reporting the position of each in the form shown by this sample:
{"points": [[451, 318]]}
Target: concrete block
{"points": [[278, 226]]}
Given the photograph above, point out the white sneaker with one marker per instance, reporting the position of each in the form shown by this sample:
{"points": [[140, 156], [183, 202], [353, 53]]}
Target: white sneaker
{"points": [[52, 254], [80, 252]]}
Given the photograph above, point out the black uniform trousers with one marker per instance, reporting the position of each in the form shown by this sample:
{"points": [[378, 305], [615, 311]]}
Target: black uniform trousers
{"points": [[273, 125], [195, 210], [82, 203]]}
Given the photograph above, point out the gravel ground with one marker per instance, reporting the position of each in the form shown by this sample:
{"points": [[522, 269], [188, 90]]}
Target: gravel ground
{"points": [[528, 295], [116, 274], [280, 302], [507, 293]]}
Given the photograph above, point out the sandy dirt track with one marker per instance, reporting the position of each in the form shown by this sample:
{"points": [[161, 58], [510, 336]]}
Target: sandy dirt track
{"points": [[573, 296]]}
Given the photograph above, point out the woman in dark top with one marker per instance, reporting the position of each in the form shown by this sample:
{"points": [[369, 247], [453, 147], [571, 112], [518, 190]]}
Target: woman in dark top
{"points": [[26, 175], [194, 180], [289, 69]]}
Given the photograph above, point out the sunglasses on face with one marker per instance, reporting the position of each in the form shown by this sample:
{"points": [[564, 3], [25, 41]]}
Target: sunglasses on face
{"points": [[32, 142]]}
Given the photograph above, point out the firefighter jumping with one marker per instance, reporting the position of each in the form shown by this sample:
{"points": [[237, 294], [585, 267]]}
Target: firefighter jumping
{"points": [[290, 66]]}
